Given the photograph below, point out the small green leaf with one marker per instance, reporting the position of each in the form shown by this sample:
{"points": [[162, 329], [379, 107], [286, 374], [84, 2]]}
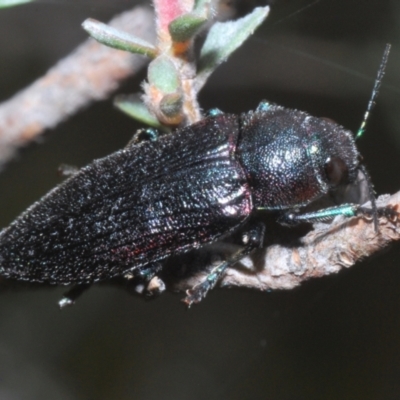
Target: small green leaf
{"points": [[186, 26], [163, 74], [132, 106], [11, 3], [223, 39], [117, 39]]}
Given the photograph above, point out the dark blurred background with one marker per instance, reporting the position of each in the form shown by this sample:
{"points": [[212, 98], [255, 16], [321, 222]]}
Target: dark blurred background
{"points": [[332, 338]]}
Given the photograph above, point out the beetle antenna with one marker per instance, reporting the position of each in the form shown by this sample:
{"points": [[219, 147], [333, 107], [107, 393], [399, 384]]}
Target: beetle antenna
{"points": [[375, 90]]}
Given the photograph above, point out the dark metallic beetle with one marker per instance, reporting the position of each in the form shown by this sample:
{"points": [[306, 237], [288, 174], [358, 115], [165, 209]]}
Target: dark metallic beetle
{"points": [[123, 214]]}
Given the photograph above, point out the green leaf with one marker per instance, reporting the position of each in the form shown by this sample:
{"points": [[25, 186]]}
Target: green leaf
{"points": [[223, 39], [186, 26], [132, 106], [163, 74], [117, 39], [11, 3]]}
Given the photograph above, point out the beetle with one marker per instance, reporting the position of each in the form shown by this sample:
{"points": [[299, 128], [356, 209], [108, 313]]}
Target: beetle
{"points": [[122, 215]]}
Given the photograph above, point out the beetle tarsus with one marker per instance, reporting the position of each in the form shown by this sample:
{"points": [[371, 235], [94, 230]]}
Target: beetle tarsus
{"points": [[385, 212], [347, 210], [72, 295], [154, 288]]}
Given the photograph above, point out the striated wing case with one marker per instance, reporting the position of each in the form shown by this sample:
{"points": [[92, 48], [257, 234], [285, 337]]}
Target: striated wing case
{"points": [[138, 205]]}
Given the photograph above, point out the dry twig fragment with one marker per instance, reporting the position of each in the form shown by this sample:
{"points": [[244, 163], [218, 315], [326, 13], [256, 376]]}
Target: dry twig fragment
{"points": [[90, 73]]}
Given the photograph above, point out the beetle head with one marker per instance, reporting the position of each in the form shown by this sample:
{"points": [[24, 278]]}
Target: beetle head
{"points": [[292, 158]]}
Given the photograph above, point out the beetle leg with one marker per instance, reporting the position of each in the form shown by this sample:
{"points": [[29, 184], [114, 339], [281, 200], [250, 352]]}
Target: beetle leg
{"points": [[144, 135], [149, 285], [213, 112], [252, 239], [263, 106], [148, 272], [348, 210], [154, 286], [71, 295]]}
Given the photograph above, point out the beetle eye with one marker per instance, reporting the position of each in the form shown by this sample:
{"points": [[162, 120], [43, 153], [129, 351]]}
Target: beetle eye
{"points": [[336, 170]]}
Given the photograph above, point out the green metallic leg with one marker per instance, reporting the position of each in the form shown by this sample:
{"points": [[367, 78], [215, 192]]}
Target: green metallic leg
{"points": [[144, 281], [263, 106], [347, 210], [148, 272], [213, 112], [252, 240], [144, 135]]}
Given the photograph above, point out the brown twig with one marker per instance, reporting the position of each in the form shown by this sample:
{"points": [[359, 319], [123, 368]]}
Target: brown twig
{"points": [[90, 73], [325, 250]]}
